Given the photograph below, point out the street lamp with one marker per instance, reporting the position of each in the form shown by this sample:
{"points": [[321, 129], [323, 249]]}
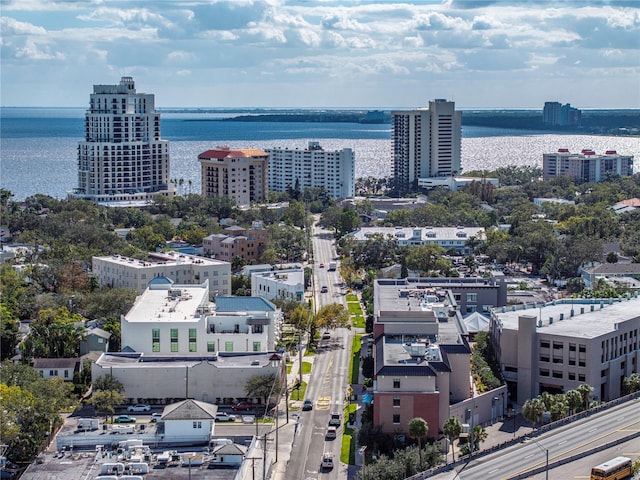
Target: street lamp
{"points": [[546, 452]]}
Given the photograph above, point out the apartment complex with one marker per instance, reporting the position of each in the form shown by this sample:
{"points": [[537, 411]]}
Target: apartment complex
{"points": [[586, 166], [122, 272], [556, 114], [557, 346], [248, 244], [122, 159], [240, 174], [334, 171], [446, 237], [180, 319], [426, 143]]}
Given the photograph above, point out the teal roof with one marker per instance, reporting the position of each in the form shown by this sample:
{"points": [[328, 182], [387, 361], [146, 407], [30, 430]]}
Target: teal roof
{"points": [[244, 304]]}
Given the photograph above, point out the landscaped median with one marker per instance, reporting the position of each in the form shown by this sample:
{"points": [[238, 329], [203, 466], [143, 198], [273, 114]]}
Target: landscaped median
{"points": [[355, 311]]}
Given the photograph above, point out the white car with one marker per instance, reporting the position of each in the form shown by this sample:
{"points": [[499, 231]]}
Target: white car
{"points": [[327, 461], [139, 408], [225, 417]]}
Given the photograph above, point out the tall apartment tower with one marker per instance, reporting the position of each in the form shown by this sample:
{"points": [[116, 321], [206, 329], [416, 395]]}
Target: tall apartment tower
{"points": [[556, 114], [426, 143], [122, 159], [312, 167], [240, 174]]}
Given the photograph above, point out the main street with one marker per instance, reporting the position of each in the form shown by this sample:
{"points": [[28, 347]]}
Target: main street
{"points": [[328, 380]]}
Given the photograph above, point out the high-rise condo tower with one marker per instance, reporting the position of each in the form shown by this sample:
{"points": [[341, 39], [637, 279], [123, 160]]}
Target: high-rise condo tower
{"points": [[122, 159], [426, 143]]}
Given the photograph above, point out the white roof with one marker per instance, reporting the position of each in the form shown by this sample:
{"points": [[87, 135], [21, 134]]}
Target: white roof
{"points": [[161, 306]]}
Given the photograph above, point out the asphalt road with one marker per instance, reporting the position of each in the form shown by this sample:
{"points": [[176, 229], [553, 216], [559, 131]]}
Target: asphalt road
{"points": [[562, 443], [328, 379]]}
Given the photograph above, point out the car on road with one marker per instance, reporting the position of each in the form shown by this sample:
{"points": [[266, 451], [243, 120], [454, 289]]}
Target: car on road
{"points": [[334, 419], [242, 407], [326, 335], [155, 417], [324, 289], [124, 419], [327, 461], [139, 408], [332, 432], [225, 417], [307, 405], [322, 265]]}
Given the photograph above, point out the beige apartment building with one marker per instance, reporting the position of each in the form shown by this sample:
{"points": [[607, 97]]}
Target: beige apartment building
{"points": [[557, 346], [240, 174], [123, 272], [248, 244]]}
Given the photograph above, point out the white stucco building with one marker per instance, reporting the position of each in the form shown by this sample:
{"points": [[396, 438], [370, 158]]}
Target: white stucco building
{"points": [[312, 167], [122, 159], [180, 319], [285, 284], [446, 237], [123, 272]]}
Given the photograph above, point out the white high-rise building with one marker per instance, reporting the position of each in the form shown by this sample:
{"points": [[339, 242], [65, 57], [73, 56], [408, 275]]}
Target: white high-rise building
{"points": [[312, 167], [122, 159], [426, 143]]}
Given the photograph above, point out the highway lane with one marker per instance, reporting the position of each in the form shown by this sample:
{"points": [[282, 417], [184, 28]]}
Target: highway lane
{"points": [[561, 443], [328, 380]]}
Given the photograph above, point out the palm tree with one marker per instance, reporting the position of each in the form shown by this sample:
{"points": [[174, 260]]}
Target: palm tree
{"points": [[532, 410], [574, 400], [452, 429], [479, 435], [585, 393], [418, 429]]}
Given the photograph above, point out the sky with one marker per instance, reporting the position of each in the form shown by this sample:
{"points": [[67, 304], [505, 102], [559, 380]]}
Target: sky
{"points": [[324, 53]]}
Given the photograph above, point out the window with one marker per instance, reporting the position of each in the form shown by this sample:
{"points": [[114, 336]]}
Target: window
{"points": [[572, 347], [66, 374], [197, 424], [544, 372], [571, 375], [396, 383], [572, 361], [193, 344], [544, 343], [557, 374], [396, 418], [558, 346], [472, 297], [256, 346], [228, 346], [174, 340], [582, 363], [581, 377], [582, 348], [155, 340], [211, 347], [396, 401], [544, 359]]}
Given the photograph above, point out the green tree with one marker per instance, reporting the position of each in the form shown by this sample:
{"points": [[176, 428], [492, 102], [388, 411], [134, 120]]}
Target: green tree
{"points": [[418, 430], [107, 394], [479, 436], [452, 429], [585, 393], [54, 334], [262, 386], [632, 383], [332, 316], [574, 401], [532, 410], [8, 332]]}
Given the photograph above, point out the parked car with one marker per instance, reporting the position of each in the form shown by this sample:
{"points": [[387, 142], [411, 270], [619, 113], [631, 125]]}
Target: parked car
{"points": [[155, 417], [334, 419], [225, 417], [326, 335], [139, 408], [332, 432], [327, 461], [124, 419], [242, 406], [307, 405]]}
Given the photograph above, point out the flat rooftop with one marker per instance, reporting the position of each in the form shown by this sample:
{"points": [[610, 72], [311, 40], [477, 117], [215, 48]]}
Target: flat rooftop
{"points": [[162, 258], [286, 277], [590, 324], [163, 306], [221, 360]]}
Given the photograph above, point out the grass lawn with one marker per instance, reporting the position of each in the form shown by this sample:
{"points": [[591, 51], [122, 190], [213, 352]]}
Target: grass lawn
{"points": [[354, 308], [354, 364], [289, 365], [306, 367], [349, 440], [352, 298], [298, 393]]}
